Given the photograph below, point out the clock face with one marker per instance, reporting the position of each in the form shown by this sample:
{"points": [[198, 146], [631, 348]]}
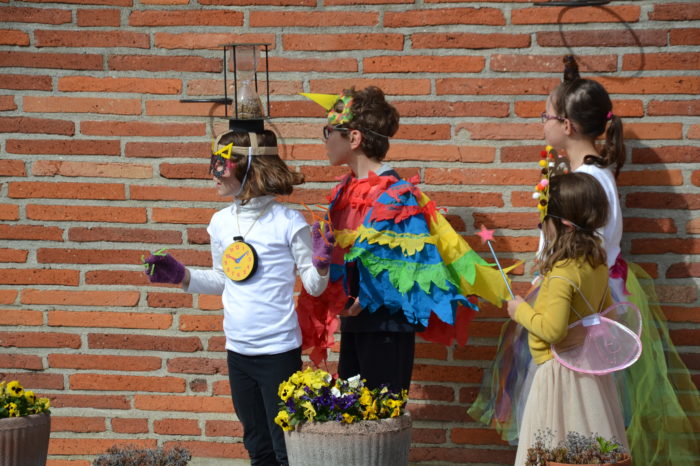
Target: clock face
{"points": [[240, 261]]}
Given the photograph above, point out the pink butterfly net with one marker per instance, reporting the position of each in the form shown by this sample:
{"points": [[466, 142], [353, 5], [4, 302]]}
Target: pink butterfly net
{"points": [[603, 342]]}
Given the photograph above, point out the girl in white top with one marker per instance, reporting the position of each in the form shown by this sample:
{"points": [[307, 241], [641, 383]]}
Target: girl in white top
{"points": [[257, 246]]}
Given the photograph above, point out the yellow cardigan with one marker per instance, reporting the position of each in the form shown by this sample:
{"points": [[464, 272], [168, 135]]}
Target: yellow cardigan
{"points": [[547, 322]]}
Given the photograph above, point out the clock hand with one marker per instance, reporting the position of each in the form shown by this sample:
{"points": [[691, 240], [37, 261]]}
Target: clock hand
{"points": [[242, 256], [231, 257]]}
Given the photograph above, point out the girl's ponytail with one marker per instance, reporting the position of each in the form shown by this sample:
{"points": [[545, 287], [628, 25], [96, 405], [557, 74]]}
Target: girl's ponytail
{"points": [[613, 152]]}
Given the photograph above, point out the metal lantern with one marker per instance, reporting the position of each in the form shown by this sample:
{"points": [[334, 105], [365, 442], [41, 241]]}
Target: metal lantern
{"points": [[242, 104]]}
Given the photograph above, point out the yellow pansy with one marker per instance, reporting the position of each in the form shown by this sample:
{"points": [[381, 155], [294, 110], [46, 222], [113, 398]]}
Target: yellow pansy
{"points": [[15, 389], [12, 409], [286, 390], [348, 419], [309, 410], [365, 397], [45, 402], [29, 396], [282, 420]]}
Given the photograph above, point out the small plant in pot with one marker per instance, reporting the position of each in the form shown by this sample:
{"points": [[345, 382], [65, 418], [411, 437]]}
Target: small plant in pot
{"points": [[576, 448], [25, 426]]}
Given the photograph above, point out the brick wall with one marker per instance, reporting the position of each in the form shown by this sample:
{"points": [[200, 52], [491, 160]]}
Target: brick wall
{"points": [[101, 163]]}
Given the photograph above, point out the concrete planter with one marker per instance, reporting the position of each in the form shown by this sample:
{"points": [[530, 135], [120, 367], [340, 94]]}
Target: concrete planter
{"points": [[625, 462], [384, 442], [24, 441]]}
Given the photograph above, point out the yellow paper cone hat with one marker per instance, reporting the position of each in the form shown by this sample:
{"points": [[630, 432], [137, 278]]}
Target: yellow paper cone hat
{"points": [[324, 100]]}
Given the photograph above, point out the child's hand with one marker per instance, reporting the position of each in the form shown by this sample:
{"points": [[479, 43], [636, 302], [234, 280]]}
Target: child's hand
{"points": [[513, 305], [322, 242], [353, 310], [164, 268]]}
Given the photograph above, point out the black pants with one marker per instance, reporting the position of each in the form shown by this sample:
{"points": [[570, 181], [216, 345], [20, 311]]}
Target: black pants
{"points": [[379, 357], [254, 384]]}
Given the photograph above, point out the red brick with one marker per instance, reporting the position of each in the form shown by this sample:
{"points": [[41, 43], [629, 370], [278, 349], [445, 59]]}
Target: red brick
{"points": [[662, 61], [333, 42], [126, 383], [211, 449], [19, 316], [106, 362], [213, 87], [169, 300], [422, 64], [163, 193], [650, 178], [176, 427], [35, 15], [563, 15], [440, 16], [666, 154], [476, 436], [315, 65], [90, 401], [649, 225], [126, 235], [25, 82], [41, 190], [551, 63], [63, 146], [88, 256], [97, 18], [683, 270], [651, 200], [102, 39], [39, 340], [508, 220], [77, 424], [110, 84], [442, 153], [80, 298], [431, 351], [181, 171], [13, 255], [116, 277], [440, 413], [144, 342], [478, 353], [63, 61], [141, 128], [214, 428], [199, 323], [91, 169], [684, 36], [86, 214], [139, 320], [434, 373], [677, 294], [653, 131], [364, 2], [36, 125], [431, 392], [469, 41], [198, 366], [130, 425], [193, 41], [21, 361], [40, 277], [603, 38], [175, 149], [452, 109], [466, 199], [37, 380], [164, 63], [9, 212], [200, 18], [208, 303], [7, 102], [495, 86], [681, 313], [470, 176], [694, 132], [501, 131], [390, 86], [12, 168], [675, 12], [82, 105], [434, 436], [674, 107], [191, 404], [182, 215], [282, 18], [13, 37], [672, 245], [693, 226], [93, 446]]}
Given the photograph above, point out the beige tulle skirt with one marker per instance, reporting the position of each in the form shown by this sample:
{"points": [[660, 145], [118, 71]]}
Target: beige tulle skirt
{"points": [[563, 400]]}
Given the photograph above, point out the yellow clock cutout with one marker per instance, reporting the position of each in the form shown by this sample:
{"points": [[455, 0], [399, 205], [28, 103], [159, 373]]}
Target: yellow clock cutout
{"points": [[240, 261]]}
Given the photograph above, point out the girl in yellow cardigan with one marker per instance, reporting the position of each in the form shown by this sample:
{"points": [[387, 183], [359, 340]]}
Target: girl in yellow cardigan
{"points": [[575, 284]]}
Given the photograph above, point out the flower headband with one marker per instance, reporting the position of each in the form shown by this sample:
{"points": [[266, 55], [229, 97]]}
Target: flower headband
{"points": [[551, 163]]}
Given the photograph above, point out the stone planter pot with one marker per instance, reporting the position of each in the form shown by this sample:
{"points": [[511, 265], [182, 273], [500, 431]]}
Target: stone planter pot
{"points": [[24, 441], [626, 462], [384, 442]]}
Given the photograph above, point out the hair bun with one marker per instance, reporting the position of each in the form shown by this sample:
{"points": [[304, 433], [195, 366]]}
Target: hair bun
{"points": [[570, 69]]}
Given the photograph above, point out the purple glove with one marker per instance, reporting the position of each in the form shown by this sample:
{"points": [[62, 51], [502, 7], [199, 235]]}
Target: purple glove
{"points": [[164, 268], [322, 242]]}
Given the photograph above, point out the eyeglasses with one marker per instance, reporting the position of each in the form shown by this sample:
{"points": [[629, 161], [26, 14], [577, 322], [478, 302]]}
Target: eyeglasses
{"points": [[546, 117], [328, 130]]}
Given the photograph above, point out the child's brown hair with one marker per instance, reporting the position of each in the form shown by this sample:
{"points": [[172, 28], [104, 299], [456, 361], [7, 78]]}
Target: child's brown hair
{"points": [[577, 207], [268, 174], [375, 118]]}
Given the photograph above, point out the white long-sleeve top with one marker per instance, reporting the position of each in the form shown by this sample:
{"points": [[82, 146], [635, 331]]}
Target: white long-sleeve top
{"points": [[259, 313]]}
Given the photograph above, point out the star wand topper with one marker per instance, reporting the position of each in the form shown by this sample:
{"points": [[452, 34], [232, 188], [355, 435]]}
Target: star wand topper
{"points": [[486, 236]]}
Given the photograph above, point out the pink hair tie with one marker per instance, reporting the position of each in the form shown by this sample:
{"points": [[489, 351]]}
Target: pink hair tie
{"points": [[609, 116]]}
